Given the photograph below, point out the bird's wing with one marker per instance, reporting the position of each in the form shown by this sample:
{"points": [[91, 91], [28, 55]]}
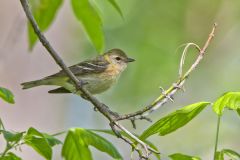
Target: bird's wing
{"points": [[97, 65]]}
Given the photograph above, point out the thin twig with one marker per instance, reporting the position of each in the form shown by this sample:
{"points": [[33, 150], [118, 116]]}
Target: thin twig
{"points": [[185, 51], [163, 98], [146, 147]]}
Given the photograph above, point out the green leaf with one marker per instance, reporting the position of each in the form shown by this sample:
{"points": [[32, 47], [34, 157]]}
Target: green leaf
{"points": [[228, 152], [110, 132], [38, 142], [10, 156], [44, 12], [90, 21], [174, 120], [180, 156], [6, 95], [74, 148], [230, 100], [231, 154], [238, 111], [154, 147], [52, 141], [219, 156], [12, 136], [116, 6], [78, 140]]}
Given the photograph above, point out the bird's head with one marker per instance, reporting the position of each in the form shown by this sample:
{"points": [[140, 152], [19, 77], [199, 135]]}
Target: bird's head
{"points": [[118, 57]]}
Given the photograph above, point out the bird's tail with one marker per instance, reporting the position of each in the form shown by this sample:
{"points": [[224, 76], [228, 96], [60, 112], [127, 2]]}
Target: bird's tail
{"points": [[31, 84]]}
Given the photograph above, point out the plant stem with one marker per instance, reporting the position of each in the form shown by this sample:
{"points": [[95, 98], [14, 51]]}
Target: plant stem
{"points": [[1, 124], [217, 134], [7, 148]]}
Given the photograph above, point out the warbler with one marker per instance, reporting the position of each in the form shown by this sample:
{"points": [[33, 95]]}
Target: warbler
{"points": [[97, 74]]}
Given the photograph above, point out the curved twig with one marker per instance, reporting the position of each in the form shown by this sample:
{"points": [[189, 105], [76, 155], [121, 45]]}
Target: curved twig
{"points": [[185, 51]]}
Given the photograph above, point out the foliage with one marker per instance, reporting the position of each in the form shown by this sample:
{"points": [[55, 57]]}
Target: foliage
{"points": [[110, 132], [78, 140], [230, 100], [174, 120], [10, 156], [115, 5], [179, 156], [44, 12], [91, 22], [228, 152], [40, 142], [6, 95]]}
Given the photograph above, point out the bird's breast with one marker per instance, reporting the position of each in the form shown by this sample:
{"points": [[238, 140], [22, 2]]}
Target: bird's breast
{"points": [[99, 83]]}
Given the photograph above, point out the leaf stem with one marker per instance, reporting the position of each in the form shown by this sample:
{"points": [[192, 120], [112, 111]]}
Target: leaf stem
{"points": [[1, 124], [7, 148], [217, 135]]}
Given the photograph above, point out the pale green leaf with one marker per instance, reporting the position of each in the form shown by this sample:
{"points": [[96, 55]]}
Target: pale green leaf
{"points": [[79, 139], [180, 156], [44, 12], [238, 111], [12, 136], [110, 132], [174, 120], [74, 148], [90, 21], [38, 142], [52, 141], [153, 147], [231, 154], [116, 6], [219, 156], [10, 156], [6, 95], [230, 100]]}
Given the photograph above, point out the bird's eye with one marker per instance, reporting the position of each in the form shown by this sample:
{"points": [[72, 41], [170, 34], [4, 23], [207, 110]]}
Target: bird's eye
{"points": [[118, 58]]}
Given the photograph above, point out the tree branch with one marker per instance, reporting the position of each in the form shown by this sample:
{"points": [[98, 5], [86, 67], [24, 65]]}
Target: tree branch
{"points": [[101, 107]]}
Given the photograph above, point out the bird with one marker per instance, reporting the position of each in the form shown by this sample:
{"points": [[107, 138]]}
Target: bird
{"points": [[97, 74]]}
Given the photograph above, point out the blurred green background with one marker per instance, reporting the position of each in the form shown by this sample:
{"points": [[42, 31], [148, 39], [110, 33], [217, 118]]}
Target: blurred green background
{"points": [[150, 32]]}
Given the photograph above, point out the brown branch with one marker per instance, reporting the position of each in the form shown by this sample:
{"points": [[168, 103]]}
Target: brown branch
{"points": [[168, 94], [101, 107]]}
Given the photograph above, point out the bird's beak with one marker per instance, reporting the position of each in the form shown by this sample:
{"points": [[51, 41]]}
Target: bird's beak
{"points": [[130, 60]]}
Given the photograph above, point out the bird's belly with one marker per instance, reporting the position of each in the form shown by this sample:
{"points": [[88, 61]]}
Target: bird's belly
{"points": [[98, 85]]}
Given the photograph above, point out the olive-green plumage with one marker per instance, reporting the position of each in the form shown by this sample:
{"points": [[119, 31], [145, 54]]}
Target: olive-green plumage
{"points": [[99, 74]]}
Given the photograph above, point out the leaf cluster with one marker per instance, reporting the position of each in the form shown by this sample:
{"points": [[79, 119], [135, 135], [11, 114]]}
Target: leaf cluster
{"points": [[42, 143], [78, 140], [44, 12]]}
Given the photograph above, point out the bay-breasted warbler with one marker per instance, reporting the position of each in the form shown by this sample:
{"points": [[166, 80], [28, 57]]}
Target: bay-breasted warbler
{"points": [[98, 74]]}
